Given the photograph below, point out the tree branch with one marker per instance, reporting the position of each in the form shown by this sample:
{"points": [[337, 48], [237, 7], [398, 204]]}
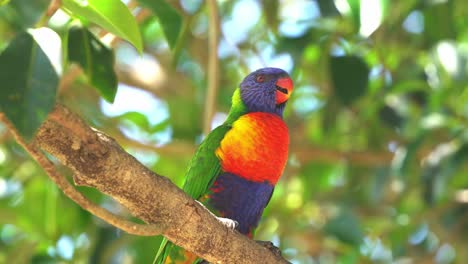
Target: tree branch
{"points": [[99, 162], [53, 7], [213, 65], [74, 195]]}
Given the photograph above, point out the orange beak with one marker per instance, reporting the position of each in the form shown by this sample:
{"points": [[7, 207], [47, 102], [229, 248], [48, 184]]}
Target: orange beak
{"points": [[284, 87]]}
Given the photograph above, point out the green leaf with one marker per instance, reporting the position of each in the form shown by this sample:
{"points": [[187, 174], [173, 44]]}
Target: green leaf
{"points": [[403, 165], [326, 176], [169, 18], [327, 8], [23, 13], [434, 29], [391, 117], [137, 118], [355, 10], [96, 60], [29, 84], [112, 15], [142, 122], [346, 227], [350, 77], [436, 175]]}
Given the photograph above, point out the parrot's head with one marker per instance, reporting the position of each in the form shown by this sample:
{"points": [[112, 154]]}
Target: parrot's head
{"points": [[266, 90]]}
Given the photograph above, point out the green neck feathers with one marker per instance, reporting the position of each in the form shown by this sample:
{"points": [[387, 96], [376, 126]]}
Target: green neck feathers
{"points": [[238, 108]]}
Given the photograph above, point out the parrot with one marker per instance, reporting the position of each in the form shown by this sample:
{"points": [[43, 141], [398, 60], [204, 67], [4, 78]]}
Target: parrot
{"points": [[236, 167]]}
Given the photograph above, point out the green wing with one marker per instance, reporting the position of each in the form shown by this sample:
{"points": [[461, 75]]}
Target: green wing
{"points": [[202, 171], [204, 166]]}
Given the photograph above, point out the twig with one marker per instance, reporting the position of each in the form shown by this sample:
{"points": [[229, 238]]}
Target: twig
{"points": [[74, 195], [213, 65], [53, 7]]}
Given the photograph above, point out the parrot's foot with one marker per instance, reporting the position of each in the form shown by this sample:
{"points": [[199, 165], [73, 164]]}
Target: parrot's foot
{"points": [[229, 223], [270, 246]]}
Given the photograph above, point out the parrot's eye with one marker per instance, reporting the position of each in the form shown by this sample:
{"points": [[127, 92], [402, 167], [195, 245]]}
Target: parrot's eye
{"points": [[260, 78]]}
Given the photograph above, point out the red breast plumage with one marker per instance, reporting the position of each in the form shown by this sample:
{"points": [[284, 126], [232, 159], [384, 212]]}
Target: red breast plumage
{"points": [[256, 147]]}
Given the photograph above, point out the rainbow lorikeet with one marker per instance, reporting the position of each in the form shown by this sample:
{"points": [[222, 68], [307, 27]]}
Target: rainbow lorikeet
{"points": [[236, 167]]}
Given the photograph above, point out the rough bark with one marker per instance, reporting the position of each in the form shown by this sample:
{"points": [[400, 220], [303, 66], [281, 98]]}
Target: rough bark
{"points": [[99, 162]]}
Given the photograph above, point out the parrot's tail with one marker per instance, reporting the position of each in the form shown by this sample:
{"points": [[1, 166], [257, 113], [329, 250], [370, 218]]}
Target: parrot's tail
{"points": [[163, 251], [169, 253]]}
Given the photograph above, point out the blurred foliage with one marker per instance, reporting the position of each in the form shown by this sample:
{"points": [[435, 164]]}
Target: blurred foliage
{"points": [[378, 120]]}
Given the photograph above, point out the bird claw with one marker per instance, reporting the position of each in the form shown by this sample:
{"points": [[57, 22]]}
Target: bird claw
{"points": [[270, 246], [229, 223]]}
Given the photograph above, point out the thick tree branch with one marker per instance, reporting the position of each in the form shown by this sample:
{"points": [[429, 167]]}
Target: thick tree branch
{"points": [[74, 195], [99, 162]]}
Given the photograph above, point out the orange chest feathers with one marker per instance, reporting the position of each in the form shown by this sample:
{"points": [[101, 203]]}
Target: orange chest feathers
{"points": [[256, 147]]}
